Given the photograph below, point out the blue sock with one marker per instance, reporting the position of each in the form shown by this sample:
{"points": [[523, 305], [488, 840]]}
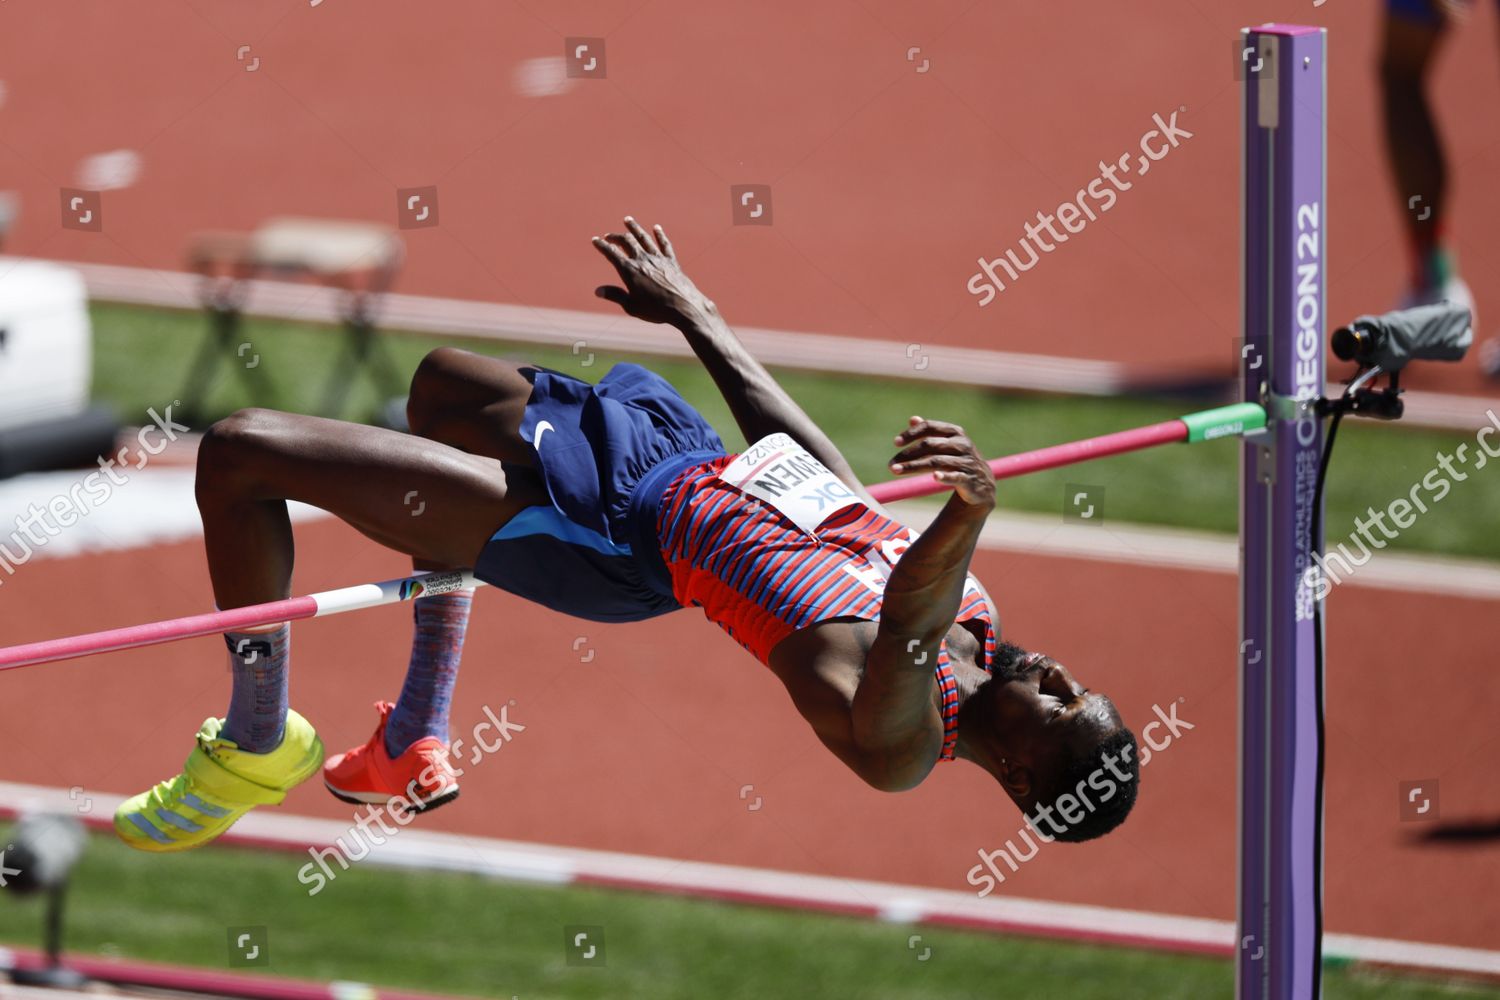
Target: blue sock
{"points": [[422, 709], [257, 709]]}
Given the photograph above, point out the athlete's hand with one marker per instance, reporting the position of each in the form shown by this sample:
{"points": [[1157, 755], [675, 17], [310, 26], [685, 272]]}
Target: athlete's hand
{"points": [[943, 450], [655, 289]]}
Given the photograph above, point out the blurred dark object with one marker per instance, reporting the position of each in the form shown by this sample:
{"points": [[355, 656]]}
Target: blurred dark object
{"points": [[46, 363], [39, 856], [60, 443], [357, 260], [1467, 831]]}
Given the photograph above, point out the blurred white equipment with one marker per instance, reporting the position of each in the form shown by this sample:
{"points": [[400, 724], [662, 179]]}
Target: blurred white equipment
{"points": [[46, 361], [356, 261]]}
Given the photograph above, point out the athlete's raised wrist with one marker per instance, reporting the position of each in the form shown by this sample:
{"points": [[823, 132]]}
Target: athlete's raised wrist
{"points": [[701, 318]]}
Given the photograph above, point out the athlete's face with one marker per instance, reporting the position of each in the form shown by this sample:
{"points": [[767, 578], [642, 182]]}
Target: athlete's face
{"points": [[1036, 692], [1041, 715]]}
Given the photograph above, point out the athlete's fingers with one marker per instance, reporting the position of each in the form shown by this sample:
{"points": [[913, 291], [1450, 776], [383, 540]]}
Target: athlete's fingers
{"points": [[974, 490], [934, 446], [622, 244], [628, 241], [642, 237], [616, 256], [917, 432], [933, 463], [938, 438], [941, 427], [619, 242], [664, 243], [921, 427]]}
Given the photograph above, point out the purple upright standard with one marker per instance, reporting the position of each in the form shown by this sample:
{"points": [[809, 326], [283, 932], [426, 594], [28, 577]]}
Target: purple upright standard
{"points": [[1285, 273]]}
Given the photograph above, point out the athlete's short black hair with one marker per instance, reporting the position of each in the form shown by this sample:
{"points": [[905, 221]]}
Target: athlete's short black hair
{"points": [[1096, 788]]}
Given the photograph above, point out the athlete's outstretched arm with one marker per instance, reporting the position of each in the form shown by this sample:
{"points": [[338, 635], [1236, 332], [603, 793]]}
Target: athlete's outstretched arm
{"points": [[657, 290], [897, 726]]}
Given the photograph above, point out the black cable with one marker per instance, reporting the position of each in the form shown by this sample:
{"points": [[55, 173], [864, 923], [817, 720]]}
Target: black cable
{"points": [[1317, 522], [1316, 549]]}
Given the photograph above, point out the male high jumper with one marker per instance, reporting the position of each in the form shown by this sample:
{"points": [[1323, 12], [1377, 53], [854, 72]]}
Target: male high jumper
{"points": [[618, 502]]}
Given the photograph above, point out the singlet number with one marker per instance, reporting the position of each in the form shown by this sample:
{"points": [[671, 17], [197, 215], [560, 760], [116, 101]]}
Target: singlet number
{"points": [[873, 573]]}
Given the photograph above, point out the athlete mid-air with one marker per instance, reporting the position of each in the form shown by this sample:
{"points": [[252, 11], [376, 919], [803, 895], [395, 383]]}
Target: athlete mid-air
{"points": [[618, 502]]}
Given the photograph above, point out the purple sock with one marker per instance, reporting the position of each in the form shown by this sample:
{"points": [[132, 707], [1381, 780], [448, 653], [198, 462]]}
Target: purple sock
{"points": [[422, 709], [257, 708]]}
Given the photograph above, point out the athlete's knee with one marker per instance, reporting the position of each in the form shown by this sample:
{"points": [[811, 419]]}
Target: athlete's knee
{"points": [[432, 387], [442, 368], [452, 388], [224, 451]]}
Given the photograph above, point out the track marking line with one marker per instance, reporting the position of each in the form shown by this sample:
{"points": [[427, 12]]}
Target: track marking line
{"points": [[547, 864], [784, 348], [1205, 552], [156, 507]]}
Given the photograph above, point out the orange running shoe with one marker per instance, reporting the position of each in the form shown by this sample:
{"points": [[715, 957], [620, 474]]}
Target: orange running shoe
{"points": [[370, 775]]}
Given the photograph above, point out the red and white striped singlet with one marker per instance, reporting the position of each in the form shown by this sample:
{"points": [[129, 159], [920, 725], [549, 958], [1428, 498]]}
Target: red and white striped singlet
{"points": [[760, 578]]}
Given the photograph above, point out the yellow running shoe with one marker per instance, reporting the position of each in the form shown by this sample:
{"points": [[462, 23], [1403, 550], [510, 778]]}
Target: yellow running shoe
{"points": [[219, 784]]}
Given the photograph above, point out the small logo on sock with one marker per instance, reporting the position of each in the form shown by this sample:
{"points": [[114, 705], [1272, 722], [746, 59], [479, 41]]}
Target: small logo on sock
{"points": [[249, 650]]}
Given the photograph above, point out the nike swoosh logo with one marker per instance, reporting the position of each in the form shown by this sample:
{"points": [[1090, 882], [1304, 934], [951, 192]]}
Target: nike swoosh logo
{"points": [[541, 428]]}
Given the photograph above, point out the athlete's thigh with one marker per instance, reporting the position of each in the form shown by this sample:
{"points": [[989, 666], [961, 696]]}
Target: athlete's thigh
{"points": [[409, 493], [472, 402]]}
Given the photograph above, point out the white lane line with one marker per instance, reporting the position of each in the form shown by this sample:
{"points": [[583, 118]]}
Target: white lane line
{"points": [[156, 506], [545, 76], [1175, 548], [566, 327], [51, 515], [505, 859], [789, 349]]}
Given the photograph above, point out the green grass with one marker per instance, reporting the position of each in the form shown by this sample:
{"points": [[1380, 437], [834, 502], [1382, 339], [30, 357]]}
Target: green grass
{"points": [[143, 357], [450, 933]]}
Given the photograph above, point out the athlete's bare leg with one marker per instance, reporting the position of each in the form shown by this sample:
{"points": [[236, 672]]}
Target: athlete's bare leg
{"points": [[251, 463], [1412, 141]]}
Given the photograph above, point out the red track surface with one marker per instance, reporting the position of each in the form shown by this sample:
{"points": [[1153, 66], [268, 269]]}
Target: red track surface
{"points": [[887, 185], [645, 747]]}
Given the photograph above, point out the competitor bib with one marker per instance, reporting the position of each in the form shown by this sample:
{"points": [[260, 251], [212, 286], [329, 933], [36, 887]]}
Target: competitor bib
{"points": [[778, 471]]}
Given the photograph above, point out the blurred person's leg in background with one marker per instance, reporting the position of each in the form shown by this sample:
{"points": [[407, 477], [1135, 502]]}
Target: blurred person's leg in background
{"points": [[1413, 32]]}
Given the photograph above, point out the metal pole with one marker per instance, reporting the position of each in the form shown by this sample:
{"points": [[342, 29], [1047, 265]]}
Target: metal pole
{"points": [[1285, 274]]}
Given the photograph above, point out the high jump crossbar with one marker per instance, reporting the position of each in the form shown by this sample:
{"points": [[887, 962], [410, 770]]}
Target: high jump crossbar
{"points": [[1281, 642], [1224, 421]]}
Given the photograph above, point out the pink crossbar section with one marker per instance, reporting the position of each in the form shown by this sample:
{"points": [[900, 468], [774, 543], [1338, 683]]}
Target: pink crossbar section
{"points": [[151, 633], [296, 608], [1010, 466]]}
